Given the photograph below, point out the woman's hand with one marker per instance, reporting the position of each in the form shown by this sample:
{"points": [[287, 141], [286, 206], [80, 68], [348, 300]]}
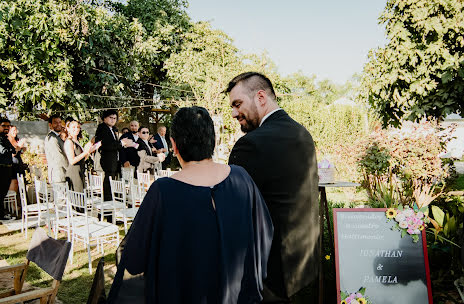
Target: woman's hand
{"points": [[88, 148]]}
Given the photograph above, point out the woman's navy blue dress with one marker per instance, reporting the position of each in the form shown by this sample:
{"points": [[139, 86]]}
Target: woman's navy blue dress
{"points": [[190, 252]]}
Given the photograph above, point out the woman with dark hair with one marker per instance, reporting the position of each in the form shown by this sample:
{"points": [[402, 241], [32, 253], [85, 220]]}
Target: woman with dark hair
{"points": [[202, 235], [76, 155], [18, 164]]}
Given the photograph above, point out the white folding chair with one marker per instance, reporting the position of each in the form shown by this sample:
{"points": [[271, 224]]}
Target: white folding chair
{"points": [[118, 190], [10, 202], [62, 216], [47, 210], [165, 173], [127, 174], [101, 206], [143, 180], [27, 210], [88, 230], [137, 195]]}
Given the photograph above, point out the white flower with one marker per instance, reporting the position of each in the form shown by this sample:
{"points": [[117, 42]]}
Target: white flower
{"points": [[416, 231], [354, 302], [400, 217], [419, 215], [403, 224]]}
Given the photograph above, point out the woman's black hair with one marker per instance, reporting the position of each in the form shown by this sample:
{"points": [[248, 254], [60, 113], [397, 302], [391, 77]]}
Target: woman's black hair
{"points": [[193, 131]]}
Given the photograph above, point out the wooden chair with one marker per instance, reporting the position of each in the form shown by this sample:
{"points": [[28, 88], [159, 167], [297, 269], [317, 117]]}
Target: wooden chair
{"points": [[51, 256]]}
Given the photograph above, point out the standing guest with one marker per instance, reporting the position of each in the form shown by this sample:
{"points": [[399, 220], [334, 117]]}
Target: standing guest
{"points": [[6, 164], [54, 151], [200, 236], [109, 150], [76, 155], [128, 155], [18, 165], [280, 156], [125, 130], [147, 152], [162, 145]]}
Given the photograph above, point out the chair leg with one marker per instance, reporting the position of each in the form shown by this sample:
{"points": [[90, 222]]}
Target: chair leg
{"points": [[125, 225], [26, 227], [90, 258], [71, 252]]}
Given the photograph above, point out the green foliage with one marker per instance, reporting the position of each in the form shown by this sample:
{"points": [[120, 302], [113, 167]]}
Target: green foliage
{"points": [[419, 73], [35, 64], [335, 129], [414, 167], [65, 55]]}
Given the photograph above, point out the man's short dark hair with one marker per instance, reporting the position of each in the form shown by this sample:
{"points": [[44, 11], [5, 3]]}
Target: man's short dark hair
{"points": [[193, 131], [110, 112], [4, 119], [54, 116], [254, 81], [143, 127]]}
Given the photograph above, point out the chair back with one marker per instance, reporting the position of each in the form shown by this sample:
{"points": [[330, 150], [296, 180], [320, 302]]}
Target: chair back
{"points": [[118, 191], [22, 191], [60, 201], [49, 254], [127, 174], [78, 207], [42, 196], [136, 195], [95, 188], [165, 173], [143, 180]]}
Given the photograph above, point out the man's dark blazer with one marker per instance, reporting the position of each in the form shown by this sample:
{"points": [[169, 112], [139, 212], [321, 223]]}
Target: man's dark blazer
{"points": [[109, 149], [159, 145], [280, 156], [130, 153]]}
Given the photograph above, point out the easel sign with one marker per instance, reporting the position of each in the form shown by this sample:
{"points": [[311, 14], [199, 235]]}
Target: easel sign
{"points": [[374, 264]]}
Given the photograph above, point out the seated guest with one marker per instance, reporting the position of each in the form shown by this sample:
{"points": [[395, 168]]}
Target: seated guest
{"points": [[147, 152], [202, 235]]}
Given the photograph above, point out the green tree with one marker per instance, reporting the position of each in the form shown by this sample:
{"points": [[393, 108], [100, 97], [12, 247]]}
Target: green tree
{"points": [[420, 70], [35, 65]]}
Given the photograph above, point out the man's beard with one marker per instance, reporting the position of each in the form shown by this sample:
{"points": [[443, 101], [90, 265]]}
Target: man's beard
{"points": [[134, 132], [249, 126], [252, 121]]}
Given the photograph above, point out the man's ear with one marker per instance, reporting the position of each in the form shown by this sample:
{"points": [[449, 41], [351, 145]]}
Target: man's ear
{"points": [[262, 97]]}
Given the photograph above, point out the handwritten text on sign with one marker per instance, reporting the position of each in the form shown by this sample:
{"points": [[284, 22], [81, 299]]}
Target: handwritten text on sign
{"points": [[371, 255]]}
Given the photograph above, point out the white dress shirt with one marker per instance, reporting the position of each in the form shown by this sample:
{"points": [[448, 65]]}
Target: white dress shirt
{"points": [[267, 115]]}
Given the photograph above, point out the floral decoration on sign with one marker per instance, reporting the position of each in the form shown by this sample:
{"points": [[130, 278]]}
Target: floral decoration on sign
{"points": [[408, 221], [355, 297]]}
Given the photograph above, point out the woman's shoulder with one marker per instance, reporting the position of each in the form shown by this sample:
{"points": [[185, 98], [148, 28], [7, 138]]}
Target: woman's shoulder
{"points": [[239, 173]]}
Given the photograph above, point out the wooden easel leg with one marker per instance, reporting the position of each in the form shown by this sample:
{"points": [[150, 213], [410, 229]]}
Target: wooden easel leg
{"points": [[321, 242]]}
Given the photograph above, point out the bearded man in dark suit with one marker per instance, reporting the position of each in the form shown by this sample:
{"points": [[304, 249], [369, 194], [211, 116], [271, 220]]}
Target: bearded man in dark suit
{"points": [[128, 156], [280, 156]]}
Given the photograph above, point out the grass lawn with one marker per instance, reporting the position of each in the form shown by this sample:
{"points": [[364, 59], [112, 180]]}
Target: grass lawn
{"points": [[77, 281]]}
